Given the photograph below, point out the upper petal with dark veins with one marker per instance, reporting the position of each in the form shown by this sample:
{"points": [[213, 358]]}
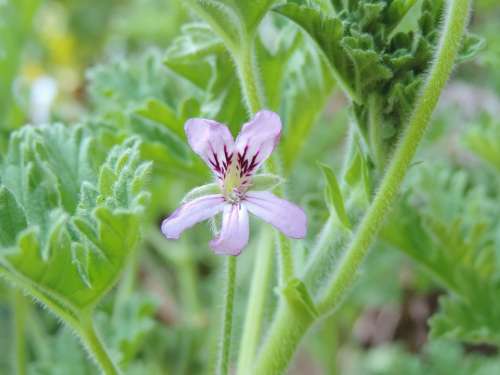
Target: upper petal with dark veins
{"points": [[256, 141], [213, 142]]}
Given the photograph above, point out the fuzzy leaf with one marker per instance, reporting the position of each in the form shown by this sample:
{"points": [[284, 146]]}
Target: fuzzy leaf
{"points": [[449, 226], [77, 234]]}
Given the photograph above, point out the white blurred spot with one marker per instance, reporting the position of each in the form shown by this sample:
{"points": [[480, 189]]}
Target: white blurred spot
{"points": [[43, 93]]}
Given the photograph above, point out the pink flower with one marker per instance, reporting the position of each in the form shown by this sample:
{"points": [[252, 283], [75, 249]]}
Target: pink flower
{"points": [[234, 165]]}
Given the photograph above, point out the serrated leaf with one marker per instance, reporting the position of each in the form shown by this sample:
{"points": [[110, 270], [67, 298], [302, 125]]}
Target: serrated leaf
{"points": [[73, 253], [159, 112], [12, 218], [333, 195], [189, 54], [448, 226]]}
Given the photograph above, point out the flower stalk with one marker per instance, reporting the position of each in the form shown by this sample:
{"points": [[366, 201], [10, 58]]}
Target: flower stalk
{"points": [[227, 322], [91, 340], [261, 279]]}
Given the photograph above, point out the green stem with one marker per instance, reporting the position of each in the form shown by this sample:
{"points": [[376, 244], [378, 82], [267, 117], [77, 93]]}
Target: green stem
{"points": [[248, 74], [449, 44], [94, 345], [285, 333], [256, 301], [20, 312], [227, 323], [287, 330]]}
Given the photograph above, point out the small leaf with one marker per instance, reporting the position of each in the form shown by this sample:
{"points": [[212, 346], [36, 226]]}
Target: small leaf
{"points": [[299, 298], [471, 46], [333, 195], [354, 172]]}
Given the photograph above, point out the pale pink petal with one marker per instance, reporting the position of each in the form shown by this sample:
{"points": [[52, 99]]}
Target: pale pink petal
{"points": [[191, 213], [213, 142], [233, 236], [282, 214], [257, 140]]}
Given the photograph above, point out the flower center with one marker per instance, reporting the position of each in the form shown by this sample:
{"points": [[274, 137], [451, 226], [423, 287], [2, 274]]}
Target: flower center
{"points": [[234, 184]]}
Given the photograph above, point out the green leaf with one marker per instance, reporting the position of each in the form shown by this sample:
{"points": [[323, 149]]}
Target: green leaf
{"points": [[483, 138], [306, 87], [189, 54], [449, 225], [77, 235], [199, 56], [159, 112], [471, 46], [12, 218], [376, 49], [233, 20], [299, 298], [327, 32], [333, 195], [140, 98], [128, 327]]}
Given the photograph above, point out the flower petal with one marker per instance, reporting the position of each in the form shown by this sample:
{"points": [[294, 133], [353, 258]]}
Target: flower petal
{"points": [[257, 140], [233, 236], [282, 214], [191, 213], [213, 142]]}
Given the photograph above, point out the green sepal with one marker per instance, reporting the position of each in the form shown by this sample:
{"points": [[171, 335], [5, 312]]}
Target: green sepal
{"points": [[200, 191], [266, 181]]}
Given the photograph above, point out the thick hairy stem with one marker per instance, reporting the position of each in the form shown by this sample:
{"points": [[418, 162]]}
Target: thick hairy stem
{"points": [[456, 19], [287, 330], [95, 347], [251, 88], [284, 336], [254, 318], [227, 323]]}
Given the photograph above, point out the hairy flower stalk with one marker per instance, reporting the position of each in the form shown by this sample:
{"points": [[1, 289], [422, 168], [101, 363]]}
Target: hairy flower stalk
{"points": [[236, 191]]}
